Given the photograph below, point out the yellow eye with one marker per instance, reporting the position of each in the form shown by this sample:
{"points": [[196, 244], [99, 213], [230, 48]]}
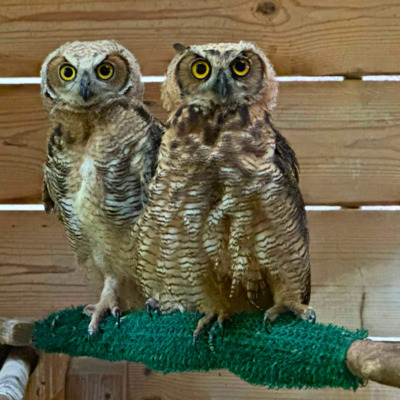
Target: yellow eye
{"points": [[240, 67], [201, 69], [105, 71], [67, 72]]}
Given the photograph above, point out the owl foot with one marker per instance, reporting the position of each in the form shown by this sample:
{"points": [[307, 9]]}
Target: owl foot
{"points": [[153, 305], [97, 313], [211, 324], [303, 311], [203, 326]]}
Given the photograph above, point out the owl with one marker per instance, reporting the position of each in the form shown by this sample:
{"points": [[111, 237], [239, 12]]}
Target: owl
{"points": [[225, 228], [101, 154]]}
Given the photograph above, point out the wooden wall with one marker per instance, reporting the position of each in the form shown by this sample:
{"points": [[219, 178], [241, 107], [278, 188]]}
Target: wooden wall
{"points": [[346, 135]]}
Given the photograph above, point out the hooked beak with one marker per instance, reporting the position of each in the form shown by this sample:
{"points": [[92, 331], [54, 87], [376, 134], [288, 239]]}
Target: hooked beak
{"points": [[221, 86], [84, 87]]}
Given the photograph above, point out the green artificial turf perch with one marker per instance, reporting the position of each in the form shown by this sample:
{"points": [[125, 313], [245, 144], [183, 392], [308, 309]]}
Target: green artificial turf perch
{"points": [[295, 354]]}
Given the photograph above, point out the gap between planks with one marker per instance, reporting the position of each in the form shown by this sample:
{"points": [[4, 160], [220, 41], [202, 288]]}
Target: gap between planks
{"points": [[161, 78]]}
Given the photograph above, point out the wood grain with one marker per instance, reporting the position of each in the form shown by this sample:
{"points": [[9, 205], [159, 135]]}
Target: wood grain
{"points": [[16, 331], [222, 385], [48, 380], [345, 134], [90, 379], [302, 37], [354, 256]]}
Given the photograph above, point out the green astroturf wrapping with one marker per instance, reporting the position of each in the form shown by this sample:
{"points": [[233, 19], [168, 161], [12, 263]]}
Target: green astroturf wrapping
{"points": [[295, 354]]}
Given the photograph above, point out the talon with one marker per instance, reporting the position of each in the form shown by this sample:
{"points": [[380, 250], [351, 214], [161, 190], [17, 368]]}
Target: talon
{"points": [[153, 306], [90, 334], [148, 309], [212, 332], [117, 314], [311, 316], [267, 323]]}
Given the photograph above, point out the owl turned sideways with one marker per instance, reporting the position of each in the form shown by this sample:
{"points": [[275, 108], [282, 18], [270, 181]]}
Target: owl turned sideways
{"points": [[102, 150], [225, 228]]}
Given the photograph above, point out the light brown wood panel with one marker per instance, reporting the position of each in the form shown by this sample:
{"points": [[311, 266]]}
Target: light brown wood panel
{"points": [[47, 382], [345, 134], [222, 385], [355, 258], [305, 37], [90, 379]]}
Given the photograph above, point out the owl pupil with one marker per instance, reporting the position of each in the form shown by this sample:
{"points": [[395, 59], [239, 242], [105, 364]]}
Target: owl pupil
{"points": [[240, 66], [201, 69], [104, 70], [68, 72]]}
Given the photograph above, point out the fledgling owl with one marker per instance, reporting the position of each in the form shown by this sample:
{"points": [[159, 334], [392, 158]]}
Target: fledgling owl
{"points": [[225, 228], [102, 150]]}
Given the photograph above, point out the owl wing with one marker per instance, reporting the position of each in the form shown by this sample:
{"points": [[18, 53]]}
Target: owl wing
{"points": [[268, 235], [56, 196], [155, 131], [279, 226], [47, 199]]}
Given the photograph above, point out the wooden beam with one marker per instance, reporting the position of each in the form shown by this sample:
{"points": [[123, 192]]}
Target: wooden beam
{"points": [[16, 331], [333, 37], [345, 135]]}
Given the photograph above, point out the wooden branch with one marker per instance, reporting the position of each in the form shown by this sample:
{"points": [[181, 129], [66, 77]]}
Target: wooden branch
{"points": [[14, 374], [375, 361], [16, 331]]}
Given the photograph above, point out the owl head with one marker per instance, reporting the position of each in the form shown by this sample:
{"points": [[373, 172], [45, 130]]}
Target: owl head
{"points": [[219, 74], [83, 75]]}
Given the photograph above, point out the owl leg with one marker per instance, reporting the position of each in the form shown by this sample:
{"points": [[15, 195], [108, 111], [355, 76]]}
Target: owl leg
{"points": [[108, 302]]}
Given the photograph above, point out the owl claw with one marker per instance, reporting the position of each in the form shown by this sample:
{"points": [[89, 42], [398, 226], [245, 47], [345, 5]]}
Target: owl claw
{"points": [[117, 315], [267, 323], [217, 325], [210, 324], [310, 316], [90, 334], [153, 305]]}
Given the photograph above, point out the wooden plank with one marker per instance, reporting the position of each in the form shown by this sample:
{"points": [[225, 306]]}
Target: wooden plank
{"points": [[89, 379], [345, 135], [16, 331], [301, 37], [222, 385], [354, 258], [38, 272], [48, 380]]}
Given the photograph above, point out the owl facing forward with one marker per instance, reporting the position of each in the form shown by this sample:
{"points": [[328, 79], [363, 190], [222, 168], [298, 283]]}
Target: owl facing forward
{"points": [[225, 229], [102, 148]]}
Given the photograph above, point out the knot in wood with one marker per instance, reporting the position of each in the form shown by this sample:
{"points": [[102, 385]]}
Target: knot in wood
{"points": [[266, 8]]}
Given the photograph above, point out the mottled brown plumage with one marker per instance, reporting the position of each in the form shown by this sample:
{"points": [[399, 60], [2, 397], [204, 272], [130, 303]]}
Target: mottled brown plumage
{"points": [[101, 155], [225, 229]]}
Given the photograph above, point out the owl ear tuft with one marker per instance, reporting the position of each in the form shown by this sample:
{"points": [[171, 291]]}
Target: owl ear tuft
{"points": [[179, 47]]}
